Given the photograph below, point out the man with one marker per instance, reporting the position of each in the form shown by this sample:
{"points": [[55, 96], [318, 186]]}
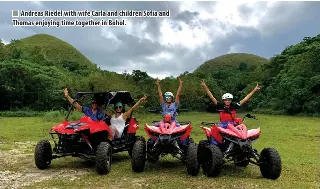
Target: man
{"points": [[95, 113]]}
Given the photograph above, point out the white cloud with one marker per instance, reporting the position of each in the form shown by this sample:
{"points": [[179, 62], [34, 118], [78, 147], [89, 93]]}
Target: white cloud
{"points": [[160, 75], [39, 4], [195, 32], [161, 56], [5, 42], [116, 43], [182, 34], [236, 48]]}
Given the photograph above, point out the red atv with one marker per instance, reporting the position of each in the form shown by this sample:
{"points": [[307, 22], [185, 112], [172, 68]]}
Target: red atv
{"points": [[234, 143], [166, 138], [88, 139]]}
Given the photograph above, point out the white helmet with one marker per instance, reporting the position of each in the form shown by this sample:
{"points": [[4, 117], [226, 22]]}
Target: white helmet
{"points": [[170, 94], [227, 96]]}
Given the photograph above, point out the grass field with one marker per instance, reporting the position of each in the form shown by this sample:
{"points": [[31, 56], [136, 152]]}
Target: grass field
{"points": [[296, 138]]}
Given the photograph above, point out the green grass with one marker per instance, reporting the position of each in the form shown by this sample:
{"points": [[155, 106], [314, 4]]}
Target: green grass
{"points": [[230, 60], [296, 138]]}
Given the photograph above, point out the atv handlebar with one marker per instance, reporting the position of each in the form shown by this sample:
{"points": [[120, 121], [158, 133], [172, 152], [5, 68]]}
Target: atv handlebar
{"points": [[208, 123], [180, 122], [249, 116], [159, 110], [154, 111]]}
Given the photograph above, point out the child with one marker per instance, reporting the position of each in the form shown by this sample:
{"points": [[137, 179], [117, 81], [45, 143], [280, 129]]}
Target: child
{"points": [[169, 106], [228, 108]]}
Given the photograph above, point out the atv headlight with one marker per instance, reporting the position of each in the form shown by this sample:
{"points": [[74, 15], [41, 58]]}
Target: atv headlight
{"points": [[75, 125]]}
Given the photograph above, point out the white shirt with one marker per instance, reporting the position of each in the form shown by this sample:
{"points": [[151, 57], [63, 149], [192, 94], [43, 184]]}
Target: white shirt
{"points": [[118, 124]]}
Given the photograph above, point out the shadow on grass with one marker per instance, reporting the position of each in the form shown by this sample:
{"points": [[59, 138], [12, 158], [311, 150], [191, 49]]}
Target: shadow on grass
{"points": [[79, 163], [230, 170]]}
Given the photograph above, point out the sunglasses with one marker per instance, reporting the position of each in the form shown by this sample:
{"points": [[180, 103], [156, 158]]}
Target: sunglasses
{"points": [[228, 99], [167, 97], [94, 103], [116, 107]]}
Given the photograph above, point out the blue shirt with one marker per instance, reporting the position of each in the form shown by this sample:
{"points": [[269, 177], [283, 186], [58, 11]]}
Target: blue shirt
{"points": [[94, 116], [169, 109]]}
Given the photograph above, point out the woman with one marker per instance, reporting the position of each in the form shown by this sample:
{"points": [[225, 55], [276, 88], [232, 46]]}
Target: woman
{"points": [[228, 108], [118, 120], [169, 106]]}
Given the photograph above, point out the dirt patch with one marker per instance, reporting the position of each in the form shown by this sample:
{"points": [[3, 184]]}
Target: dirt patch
{"points": [[10, 179], [18, 168]]}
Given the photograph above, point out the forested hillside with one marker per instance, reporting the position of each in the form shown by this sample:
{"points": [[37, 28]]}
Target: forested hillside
{"points": [[34, 71]]}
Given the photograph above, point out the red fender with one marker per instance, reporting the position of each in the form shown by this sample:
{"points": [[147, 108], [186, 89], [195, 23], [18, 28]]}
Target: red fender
{"points": [[216, 134], [148, 132], [206, 130], [187, 134], [133, 126]]}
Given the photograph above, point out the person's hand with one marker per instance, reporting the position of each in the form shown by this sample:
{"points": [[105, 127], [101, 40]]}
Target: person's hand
{"points": [[144, 98], [66, 92], [257, 88], [180, 81], [157, 81], [203, 84]]}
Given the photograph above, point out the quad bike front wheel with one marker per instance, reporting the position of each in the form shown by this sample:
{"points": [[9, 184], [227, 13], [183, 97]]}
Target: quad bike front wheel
{"points": [[201, 149], [270, 163], [138, 157], [103, 158], [43, 154], [212, 160], [192, 164], [137, 138]]}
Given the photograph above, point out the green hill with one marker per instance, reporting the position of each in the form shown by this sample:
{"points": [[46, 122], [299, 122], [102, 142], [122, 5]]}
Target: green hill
{"points": [[54, 50], [231, 60]]}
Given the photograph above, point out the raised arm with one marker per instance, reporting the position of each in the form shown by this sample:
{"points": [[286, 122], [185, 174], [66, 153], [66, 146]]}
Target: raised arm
{"points": [[246, 99], [76, 105], [205, 87], [179, 92], [159, 91], [128, 113]]}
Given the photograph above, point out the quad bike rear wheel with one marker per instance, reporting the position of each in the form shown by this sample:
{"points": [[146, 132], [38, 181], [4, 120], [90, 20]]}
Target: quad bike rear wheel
{"points": [[103, 158], [201, 149], [43, 154], [270, 163], [192, 164], [138, 157], [212, 161]]}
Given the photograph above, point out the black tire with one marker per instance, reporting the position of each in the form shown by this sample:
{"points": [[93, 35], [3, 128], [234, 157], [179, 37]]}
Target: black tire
{"points": [[201, 149], [192, 164], [43, 154], [137, 138], [103, 158], [130, 152], [138, 158], [212, 161], [270, 163]]}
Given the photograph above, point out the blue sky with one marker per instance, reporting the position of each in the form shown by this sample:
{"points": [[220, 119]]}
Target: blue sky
{"points": [[194, 32]]}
